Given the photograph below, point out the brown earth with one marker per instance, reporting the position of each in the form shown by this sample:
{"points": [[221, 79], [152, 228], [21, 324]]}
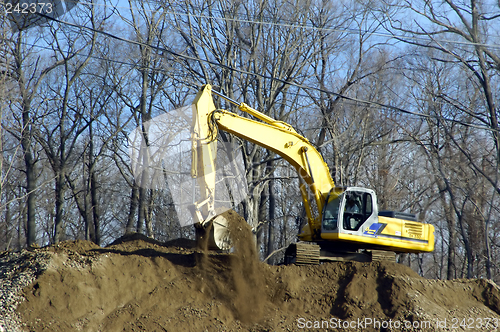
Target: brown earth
{"points": [[139, 284]]}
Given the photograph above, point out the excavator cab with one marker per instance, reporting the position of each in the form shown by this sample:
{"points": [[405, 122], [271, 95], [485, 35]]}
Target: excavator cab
{"points": [[352, 217], [349, 211]]}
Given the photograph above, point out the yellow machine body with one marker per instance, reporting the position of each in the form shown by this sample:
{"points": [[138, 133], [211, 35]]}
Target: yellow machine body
{"points": [[330, 218]]}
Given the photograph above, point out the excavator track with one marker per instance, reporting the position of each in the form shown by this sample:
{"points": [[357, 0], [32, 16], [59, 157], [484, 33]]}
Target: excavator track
{"points": [[302, 253], [385, 256], [305, 253]]}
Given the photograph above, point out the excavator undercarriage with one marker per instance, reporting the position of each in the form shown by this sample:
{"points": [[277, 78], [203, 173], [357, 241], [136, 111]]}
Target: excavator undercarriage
{"points": [[309, 253]]}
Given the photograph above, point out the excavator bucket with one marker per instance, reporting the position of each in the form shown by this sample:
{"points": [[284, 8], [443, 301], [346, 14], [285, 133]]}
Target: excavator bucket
{"points": [[214, 234]]}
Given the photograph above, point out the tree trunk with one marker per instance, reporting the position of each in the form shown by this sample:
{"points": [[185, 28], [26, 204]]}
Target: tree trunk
{"points": [[59, 222], [468, 249], [95, 207], [451, 269], [134, 197], [8, 221], [271, 238], [251, 208], [142, 209], [30, 198], [93, 190], [149, 215], [30, 178], [487, 249], [21, 224], [86, 214]]}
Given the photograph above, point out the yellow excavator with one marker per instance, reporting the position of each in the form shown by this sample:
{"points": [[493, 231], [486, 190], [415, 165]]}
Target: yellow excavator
{"points": [[344, 223]]}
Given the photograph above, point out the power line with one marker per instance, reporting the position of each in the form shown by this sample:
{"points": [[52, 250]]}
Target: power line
{"points": [[182, 12], [300, 86], [269, 22]]}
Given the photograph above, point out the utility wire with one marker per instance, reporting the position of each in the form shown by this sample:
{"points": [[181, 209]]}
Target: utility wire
{"points": [[295, 26], [300, 86]]}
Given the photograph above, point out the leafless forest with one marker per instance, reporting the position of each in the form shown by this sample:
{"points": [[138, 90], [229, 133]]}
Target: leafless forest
{"points": [[399, 96]]}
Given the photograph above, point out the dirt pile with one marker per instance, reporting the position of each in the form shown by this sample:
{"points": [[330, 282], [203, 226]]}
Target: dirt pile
{"points": [[138, 284]]}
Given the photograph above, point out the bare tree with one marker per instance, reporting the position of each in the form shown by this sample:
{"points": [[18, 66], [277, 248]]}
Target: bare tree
{"points": [[27, 71], [458, 34], [147, 25]]}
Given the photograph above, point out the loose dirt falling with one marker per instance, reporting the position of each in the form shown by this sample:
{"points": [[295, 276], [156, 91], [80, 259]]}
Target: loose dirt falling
{"points": [[246, 274], [249, 274]]}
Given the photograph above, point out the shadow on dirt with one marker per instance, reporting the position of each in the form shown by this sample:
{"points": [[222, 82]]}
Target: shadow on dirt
{"points": [[181, 252]]}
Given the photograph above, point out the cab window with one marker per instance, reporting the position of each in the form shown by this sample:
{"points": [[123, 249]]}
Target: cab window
{"points": [[357, 209], [331, 213]]}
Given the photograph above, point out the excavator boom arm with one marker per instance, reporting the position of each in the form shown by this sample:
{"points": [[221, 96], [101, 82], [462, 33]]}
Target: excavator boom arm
{"points": [[273, 135]]}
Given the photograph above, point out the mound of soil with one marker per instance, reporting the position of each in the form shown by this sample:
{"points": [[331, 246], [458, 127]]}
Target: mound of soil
{"points": [[139, 284]]}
